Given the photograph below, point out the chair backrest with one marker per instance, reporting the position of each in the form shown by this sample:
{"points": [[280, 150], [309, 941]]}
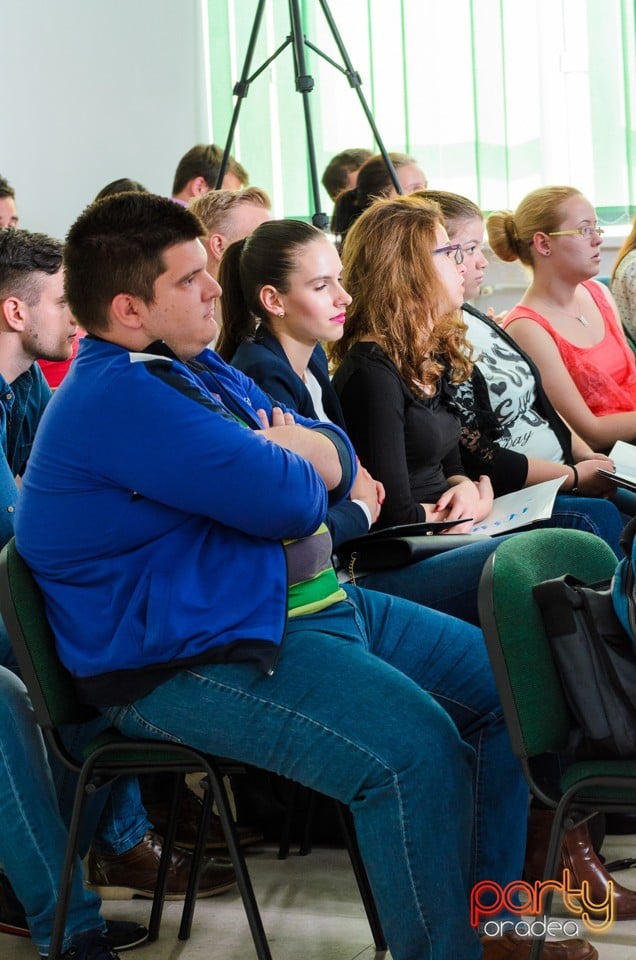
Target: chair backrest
{"points": [[536, 713], [49, 684]]}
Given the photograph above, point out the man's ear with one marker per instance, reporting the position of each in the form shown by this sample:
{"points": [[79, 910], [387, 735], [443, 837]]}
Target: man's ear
{"points": [[199, 186], [14, 313], [128, 310], [271, 300], [216, 245]]}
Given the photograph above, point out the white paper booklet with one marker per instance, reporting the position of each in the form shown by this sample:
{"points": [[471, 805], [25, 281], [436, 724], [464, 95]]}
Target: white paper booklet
{"points": [[624, 457], [520, 508]]}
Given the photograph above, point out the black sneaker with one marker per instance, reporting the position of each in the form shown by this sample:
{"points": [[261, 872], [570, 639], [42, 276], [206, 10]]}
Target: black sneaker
{"points": [[91, 945], [125, 934], [122, 934]]}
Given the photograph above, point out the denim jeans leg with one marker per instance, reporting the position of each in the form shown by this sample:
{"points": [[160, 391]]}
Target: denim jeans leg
{"points": [[336, 717], [447, 582], [593, 514], [462, 683], [33, 838], [114, 817], [123, 822]]}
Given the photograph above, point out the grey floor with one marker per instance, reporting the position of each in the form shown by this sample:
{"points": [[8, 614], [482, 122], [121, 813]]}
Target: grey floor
{"points": [[311, 910]]}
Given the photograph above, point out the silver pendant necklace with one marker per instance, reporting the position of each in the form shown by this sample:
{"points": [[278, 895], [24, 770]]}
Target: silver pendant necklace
{"points": [[572, 316]]}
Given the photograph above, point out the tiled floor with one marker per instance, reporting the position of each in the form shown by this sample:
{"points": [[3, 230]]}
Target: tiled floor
{"points": [[311, 910]]}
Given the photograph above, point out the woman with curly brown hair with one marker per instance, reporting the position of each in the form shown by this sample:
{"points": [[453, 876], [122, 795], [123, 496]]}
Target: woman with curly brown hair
{"points": [[401, 349]]}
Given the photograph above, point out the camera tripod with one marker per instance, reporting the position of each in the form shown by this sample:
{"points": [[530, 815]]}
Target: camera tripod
{"points": [[304, 86]]}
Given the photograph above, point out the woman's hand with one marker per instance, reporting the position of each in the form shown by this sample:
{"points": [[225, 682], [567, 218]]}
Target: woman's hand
{"points": [[368, 490], [486, 497], [460, 501], [591, 483]]}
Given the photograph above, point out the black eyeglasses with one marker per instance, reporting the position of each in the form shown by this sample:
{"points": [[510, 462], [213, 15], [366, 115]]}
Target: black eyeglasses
{"points": [[453, 251]]}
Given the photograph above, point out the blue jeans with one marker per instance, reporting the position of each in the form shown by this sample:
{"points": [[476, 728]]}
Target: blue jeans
{"points": [[392, 709], [593, 514], [33, 836], [449, 582], [115, 819]]}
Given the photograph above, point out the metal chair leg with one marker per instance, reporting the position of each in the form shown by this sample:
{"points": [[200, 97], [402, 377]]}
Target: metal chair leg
{"points": [[187, 914], [368, 900], [164, 864], [238, 862]]}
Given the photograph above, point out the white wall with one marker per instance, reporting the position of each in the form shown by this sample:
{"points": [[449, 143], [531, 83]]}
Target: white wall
{"points": [[93, 90]]}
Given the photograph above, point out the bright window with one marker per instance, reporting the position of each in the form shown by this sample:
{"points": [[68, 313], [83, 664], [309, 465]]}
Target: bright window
{"points": [[493, 97]]}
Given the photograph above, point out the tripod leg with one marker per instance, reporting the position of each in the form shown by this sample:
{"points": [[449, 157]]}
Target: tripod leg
{"points": [[304, 86], [354, 80], [240, 90]]}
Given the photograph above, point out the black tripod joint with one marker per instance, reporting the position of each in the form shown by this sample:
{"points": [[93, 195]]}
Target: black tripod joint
{"points": [[241, 88], [304, 83], [354, 79]]}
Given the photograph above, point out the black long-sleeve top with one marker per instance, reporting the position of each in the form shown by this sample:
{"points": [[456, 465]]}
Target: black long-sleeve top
{"points": [[409, 442]]}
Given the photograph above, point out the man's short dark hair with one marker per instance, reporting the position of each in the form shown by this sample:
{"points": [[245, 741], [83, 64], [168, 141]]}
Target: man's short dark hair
{"points": [[204, 160], [6, 190], [337, 171], [116, 246], [23, 257]]}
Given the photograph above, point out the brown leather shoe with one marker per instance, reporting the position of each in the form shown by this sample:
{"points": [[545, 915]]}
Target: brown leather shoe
{"points": [[188, 824], [511, 947], [579, 856], [134, 873]]}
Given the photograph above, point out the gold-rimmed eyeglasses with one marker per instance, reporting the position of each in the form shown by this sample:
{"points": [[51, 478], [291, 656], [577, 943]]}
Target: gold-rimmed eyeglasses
{"points": [[585, 231]]}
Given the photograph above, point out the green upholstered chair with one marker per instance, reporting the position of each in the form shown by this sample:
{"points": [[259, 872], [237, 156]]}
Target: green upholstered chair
{"points": [[537, 716], [110, 755]]}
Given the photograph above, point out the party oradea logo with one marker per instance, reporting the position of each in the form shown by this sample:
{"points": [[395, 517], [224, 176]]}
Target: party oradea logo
{"points": [[519, 898]]}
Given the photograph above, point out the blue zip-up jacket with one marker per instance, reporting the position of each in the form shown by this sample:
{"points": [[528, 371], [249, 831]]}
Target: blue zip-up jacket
{"points": [[152, 517]]}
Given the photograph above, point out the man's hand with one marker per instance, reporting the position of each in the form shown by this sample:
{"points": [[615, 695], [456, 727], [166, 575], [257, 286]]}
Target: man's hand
{"points": [[279, 419], [310, 444]]}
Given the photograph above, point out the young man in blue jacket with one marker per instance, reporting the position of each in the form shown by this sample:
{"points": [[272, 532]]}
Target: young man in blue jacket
{"points": [[170, 506], [35, 322]]}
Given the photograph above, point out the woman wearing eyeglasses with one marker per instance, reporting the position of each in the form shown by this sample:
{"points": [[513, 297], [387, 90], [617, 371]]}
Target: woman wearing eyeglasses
{"points": [[510, 430], [566, 321], [402, 346]]}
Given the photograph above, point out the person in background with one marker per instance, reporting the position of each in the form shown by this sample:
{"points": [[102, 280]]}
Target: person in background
{"points": [[198, 171], [8, 209], [123, 185], [623, 282], [566, 321], [229, 215], [373, 181], [341, 173]]}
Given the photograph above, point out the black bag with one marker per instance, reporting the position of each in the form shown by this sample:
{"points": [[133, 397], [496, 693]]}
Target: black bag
{"points": [[596, 662], [401, 545]]}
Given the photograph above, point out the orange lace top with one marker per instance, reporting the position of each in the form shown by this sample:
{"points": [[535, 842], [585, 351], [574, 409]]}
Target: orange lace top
{"points": [[605, 373]]}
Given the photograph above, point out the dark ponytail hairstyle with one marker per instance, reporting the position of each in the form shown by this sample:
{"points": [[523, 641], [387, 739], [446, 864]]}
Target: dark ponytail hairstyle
{"points": [[265, 258], [374, 180]]}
